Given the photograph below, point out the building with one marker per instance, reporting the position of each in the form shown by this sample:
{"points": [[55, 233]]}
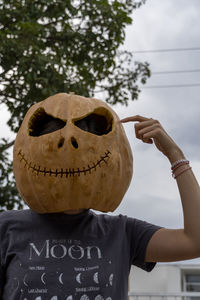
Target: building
{"points": [[177, 281]]}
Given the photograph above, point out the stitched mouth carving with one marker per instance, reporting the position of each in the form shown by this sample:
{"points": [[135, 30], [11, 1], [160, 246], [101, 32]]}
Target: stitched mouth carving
{"points": [[64, 172]]}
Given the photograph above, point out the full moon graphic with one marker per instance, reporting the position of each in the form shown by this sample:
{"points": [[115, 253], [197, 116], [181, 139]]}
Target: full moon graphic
{"points": [[84, 297]]}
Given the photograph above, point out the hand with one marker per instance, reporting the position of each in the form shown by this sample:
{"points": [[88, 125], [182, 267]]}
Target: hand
{"points": [[149, 131]]}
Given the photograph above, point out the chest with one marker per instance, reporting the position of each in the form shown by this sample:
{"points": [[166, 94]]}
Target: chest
{"points": [[66, 268]]}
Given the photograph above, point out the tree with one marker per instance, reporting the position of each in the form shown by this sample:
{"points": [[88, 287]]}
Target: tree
{"points": [[55, 46]]}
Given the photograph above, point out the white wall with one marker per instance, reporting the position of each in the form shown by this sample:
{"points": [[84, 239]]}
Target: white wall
{"points": [[164, 278]]}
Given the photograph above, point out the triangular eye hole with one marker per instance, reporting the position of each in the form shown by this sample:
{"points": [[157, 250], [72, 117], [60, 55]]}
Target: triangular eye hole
{"points": [[41, 123], [95, 123]]}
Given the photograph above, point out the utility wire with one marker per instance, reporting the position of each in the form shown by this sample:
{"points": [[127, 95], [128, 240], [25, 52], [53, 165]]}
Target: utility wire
{"points": [[170, 86], [176, 71], [168, 50]]}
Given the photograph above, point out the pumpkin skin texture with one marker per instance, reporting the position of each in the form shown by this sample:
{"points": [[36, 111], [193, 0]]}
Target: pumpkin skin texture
{"points": [[85, 163]]}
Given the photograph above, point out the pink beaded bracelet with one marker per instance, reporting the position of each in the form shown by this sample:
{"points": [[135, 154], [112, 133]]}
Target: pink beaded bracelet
{"points": [[178, 162], [176, 175]]}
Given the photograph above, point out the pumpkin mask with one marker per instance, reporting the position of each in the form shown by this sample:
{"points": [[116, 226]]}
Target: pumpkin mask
{"points": [[70, 153]]}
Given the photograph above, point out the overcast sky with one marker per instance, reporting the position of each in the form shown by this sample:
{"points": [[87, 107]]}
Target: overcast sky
{"points": [[168, 24], [165, 24], [153, 194]]}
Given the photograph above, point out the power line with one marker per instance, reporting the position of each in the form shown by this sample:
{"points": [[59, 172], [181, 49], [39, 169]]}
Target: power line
{"points": [[170, 86], [168, 50], [176, 71]]}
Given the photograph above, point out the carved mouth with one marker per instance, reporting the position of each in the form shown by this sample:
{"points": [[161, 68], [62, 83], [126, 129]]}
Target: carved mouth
{"points": [[38, 170]]}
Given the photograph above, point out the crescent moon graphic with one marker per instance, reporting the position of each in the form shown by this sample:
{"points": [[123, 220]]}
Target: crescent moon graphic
{"points": [[96, 277], [25, 280], [69, 298], [42, 278], [60, 280], [111, 279], [78, 278], [109, 298]]}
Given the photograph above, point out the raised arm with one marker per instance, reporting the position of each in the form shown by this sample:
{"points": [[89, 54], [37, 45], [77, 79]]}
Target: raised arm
{"points": [[173, 244]]}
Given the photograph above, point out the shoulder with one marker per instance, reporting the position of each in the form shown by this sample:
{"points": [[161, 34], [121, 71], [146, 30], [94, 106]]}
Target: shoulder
{"points": [[108, 217], [105, 224], [15, 216], [109, 220], [118, 219], [132, 226]]}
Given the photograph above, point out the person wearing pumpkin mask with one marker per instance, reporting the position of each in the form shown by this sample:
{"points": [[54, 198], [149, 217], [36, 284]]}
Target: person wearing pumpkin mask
{"points": [[60, 249]]}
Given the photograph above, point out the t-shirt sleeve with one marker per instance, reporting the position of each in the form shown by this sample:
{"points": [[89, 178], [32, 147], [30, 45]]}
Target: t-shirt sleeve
{"points": [[140, 233]]}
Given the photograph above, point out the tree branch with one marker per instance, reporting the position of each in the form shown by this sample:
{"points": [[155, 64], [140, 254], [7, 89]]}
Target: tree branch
{"points": [[5, 147]]}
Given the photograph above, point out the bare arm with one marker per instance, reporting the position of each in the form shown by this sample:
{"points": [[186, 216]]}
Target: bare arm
{"points": [[173, 244]]}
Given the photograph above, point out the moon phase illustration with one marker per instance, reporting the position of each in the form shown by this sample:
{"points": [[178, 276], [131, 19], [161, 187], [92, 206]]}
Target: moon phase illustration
{"points": [[69, 298], [78, 278], [60, 279], [98, 297], [25, 280], [15, 283], [111, 279], [84, 297], [42, 278], [96, 277]]}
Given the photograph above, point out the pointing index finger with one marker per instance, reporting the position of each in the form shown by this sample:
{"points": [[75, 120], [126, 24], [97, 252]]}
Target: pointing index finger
{"points": [[134, 119]]}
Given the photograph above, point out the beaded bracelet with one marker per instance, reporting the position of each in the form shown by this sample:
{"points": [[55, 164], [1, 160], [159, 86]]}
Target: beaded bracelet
{"points": [[186, 169], [179, 162]]}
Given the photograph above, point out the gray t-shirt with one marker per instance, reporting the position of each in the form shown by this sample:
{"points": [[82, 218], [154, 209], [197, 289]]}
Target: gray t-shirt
{"points": [[70, 257]]}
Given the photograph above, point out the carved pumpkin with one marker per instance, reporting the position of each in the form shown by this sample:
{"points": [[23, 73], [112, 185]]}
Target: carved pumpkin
{"points": [[83, 161]]}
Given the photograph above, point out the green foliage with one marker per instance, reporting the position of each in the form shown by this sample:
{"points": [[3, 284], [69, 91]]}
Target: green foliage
{"points": [[55, 46], [9, 197]]}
